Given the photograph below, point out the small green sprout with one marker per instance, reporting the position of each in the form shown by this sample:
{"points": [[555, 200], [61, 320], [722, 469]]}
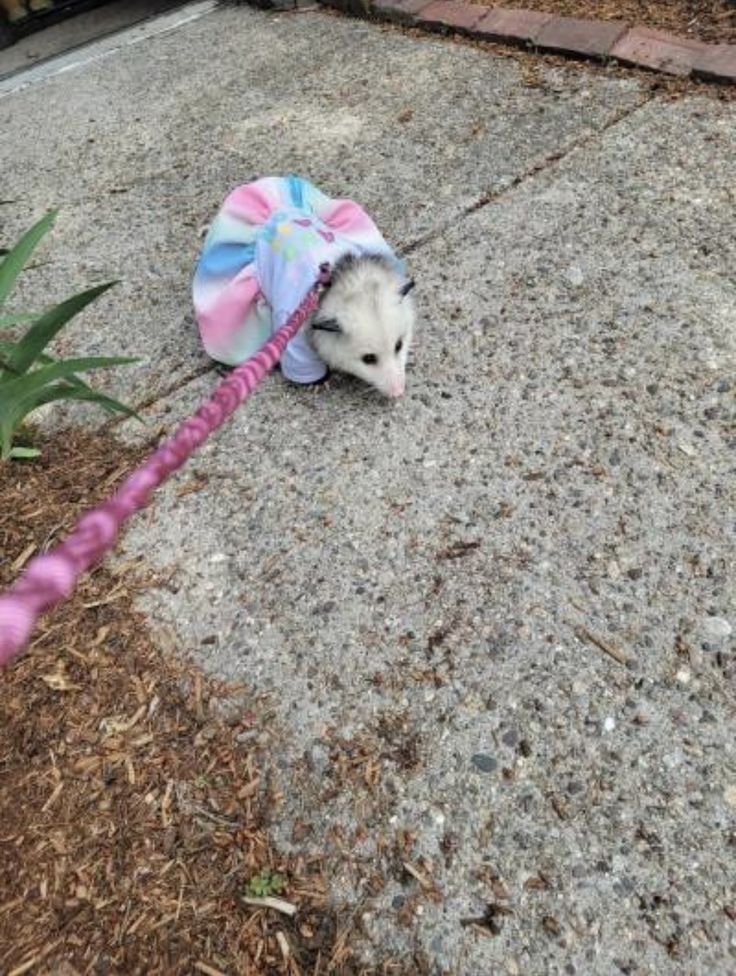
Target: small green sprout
{"points": [[265, 884]]}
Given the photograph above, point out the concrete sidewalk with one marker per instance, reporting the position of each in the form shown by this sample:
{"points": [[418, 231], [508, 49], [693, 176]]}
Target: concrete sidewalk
{"points": [[443, 581]]}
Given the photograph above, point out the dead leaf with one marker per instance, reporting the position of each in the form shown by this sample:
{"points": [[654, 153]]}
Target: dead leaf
{"points": [[59, 681]]}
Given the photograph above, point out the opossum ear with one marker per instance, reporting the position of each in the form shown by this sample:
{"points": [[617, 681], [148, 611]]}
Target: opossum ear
{"points": [[327, 325], [405, 289]]}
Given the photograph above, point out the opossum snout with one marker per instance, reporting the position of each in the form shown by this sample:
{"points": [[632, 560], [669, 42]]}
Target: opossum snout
{"points": [[389, 381]]}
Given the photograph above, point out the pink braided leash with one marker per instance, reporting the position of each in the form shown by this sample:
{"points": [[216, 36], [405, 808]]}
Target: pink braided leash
{"points": [[51, 577]]}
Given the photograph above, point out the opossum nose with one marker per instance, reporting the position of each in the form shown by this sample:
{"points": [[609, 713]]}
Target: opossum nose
{"points": [[396, 389]]}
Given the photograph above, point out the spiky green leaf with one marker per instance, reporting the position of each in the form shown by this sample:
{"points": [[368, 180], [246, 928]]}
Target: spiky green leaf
{"points": [[13, 262], [7, 346], [29, 377], [18, 387], [85, 392], [47, 325], [64, 391], [13, 413], [7, 426], [103, 399]]}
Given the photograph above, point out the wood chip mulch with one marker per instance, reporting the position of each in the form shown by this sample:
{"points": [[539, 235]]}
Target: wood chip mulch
{"points": [[713, 21], [134, 797]]}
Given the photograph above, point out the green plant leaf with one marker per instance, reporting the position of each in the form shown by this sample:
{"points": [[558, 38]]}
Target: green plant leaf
{"points": [[65, 390], [24, 453], [29, 377], [18, 387], [103, 399], [47, 325], [6, 436], [13, 262], [6, 350], [21, 394], [108, 402], [6, 347], [10, 418]]}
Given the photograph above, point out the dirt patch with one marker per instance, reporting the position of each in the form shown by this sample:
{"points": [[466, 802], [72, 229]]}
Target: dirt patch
{"points": [[707, 20], [134, 792]]}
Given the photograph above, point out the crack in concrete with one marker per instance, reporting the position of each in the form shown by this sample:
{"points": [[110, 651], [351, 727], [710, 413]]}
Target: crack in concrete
{"points": [[153, 399], [540, 167]]}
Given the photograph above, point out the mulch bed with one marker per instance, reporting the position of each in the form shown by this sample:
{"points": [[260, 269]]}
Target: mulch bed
{"points": [[134, 797], [713, 21]]}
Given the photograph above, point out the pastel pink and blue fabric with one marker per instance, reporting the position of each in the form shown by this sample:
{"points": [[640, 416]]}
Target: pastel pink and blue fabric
{"points": [[262, 255]]}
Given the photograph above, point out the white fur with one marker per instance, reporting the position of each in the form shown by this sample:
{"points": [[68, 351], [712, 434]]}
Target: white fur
{"points": [[365, 301]]}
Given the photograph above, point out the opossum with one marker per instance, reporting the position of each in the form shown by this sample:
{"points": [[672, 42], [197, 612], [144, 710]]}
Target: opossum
{"points": [[365, 322], [264, 251]]}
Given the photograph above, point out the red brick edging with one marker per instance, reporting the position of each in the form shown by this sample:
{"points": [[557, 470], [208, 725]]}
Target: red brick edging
{"points": [[597, 40]]}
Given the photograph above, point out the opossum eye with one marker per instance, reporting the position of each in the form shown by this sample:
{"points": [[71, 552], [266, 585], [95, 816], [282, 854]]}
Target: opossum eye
{"points": [[327, 325], [398, 346], [405, 289], [370, 359]]}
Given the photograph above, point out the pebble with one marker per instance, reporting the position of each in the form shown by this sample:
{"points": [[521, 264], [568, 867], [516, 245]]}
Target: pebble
{"points": [[483, 762], [319, 758], [574, 276], [729, 795], [716, 628], [609, 723]]}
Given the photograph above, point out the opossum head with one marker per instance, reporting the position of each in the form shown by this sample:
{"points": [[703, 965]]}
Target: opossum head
{"points": [[365, 323]]}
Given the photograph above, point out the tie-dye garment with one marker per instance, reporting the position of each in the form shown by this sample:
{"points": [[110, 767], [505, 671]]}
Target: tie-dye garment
{"points": [[260, 258]]}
